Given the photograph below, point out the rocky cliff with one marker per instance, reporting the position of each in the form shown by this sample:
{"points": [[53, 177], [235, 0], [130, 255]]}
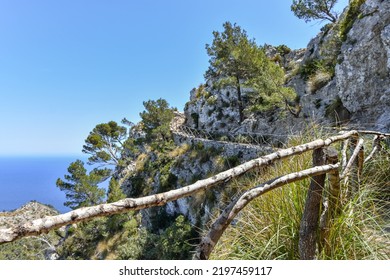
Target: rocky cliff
{"points": [[341, 78]]}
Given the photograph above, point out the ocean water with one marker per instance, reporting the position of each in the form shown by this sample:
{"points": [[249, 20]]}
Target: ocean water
{"points": [[23, 179]]}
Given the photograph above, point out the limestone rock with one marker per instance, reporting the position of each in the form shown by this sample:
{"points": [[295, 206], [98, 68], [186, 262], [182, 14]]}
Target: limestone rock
{"points": [[363, 76]]}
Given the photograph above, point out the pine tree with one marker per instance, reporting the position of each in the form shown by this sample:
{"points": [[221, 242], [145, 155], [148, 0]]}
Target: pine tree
{"points": [[237, 61], [309, 10], [156, 119], [81, 188], [105, 143]]}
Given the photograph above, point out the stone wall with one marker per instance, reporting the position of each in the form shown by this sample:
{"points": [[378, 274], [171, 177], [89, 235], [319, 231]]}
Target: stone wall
{"points": [[229, 149]]}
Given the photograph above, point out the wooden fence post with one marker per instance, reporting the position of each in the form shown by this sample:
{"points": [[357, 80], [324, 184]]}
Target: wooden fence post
{"points": [[310, 219], [354, 166], [332, 201]]}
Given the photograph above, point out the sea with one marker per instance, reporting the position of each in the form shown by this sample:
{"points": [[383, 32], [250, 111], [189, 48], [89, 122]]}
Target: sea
{"points": [[27, 178]]}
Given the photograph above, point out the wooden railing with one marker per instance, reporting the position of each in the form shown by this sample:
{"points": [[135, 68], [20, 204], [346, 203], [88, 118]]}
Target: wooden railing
{"points": [[326, 163]]}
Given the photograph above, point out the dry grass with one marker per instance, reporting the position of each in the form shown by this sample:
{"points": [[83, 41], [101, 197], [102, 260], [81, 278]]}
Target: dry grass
{"points": [[268, 228]]}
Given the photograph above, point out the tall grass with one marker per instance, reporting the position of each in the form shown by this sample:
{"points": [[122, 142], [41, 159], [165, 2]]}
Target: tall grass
{"points": [[268, 228]]}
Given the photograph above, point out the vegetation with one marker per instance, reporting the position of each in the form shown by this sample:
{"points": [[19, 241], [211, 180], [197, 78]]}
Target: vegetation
{"points": [[318, 80], [156, 120], [319, 71], [237, 62], [309, 10], [81, 188], [352, 14], [105, 143], [268, 228]]}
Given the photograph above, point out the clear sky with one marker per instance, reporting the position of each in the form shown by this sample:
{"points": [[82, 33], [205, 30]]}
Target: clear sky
{"points": [[67, 65]]}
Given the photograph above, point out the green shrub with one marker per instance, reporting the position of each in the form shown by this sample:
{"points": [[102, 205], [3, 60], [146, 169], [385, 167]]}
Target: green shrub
{"points": [[350, 17], [232, 161], [283, 50], [212, 100], [311, 67], [195, 118], [317, 81]]}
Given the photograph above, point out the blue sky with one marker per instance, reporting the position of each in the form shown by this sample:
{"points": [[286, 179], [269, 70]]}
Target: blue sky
{"points": [[67, 65]]}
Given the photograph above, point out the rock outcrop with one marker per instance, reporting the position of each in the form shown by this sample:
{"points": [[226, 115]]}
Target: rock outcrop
{"points": [[42, 247], [354, 91], [362, 77]]}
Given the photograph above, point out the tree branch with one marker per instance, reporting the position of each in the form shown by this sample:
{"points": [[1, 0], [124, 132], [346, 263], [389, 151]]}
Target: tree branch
{"points": [[352, 159]]}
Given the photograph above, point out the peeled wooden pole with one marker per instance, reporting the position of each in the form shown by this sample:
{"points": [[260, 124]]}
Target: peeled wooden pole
{"points": [[331, 202], [376, 145], [352, 171]]}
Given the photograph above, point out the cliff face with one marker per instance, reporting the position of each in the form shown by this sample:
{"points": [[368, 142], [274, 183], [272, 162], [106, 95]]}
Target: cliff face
{"points": [[341, 78], [362, 77]]}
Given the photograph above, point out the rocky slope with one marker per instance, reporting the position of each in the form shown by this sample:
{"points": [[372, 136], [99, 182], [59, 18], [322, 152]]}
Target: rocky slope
{"points": [[31, 248], [341, 78]]}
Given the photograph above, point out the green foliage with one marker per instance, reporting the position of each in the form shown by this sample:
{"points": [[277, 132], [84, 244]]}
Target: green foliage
{"points": [[82, 243], [81, 188], [168, 180], [202, 92], [269, 90], [283, 50], [195, 118], [139, 186], [312, 66], [105, 143], [236, 61], [29, 248], [350, 17], [115, 192], [156, 119], [212, 100], [309, 10], [175, 243], [133, 241]]}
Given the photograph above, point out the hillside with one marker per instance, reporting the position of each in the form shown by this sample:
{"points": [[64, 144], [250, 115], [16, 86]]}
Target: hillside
{"points": [[30, 248]]}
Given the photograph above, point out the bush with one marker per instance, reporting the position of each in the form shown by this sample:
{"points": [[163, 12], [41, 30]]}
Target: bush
{"points": [[318, 81], [232, 161], [212, 100], [283, 50], [195, 118]]}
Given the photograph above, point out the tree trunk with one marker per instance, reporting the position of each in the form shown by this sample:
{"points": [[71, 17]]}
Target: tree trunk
{"points": [[309, 223], [239, 98]]}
